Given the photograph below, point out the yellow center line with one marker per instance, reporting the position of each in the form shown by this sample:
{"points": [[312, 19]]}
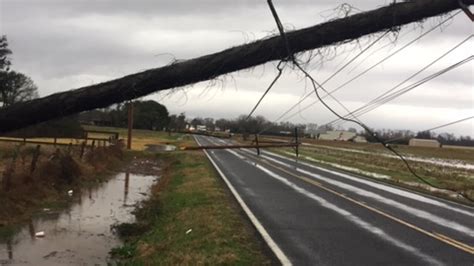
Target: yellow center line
{"points": [[462, 246]]}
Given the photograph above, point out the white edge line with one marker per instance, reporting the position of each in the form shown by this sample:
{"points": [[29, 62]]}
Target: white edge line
{"points": [[266, 237]]}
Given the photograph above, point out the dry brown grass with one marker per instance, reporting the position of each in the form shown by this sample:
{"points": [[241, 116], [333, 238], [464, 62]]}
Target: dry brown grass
{"points": [[55, 174]]}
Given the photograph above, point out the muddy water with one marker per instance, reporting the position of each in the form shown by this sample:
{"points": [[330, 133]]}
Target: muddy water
{"points": [[82, 234]]}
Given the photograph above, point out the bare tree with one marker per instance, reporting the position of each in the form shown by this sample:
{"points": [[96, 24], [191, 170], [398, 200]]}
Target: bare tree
{"points": [[4, 54], [16, 87]]}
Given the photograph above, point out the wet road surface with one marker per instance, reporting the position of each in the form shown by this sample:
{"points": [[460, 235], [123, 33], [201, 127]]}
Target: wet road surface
{"points": [[318, 216]]}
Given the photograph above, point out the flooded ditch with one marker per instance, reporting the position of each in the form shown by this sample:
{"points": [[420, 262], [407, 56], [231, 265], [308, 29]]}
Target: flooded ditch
{"points": [[82, 234]]}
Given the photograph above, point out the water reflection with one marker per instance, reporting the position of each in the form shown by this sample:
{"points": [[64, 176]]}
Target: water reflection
{"points": [[80, 235], [125, 190], [31, 230], [9, 249]]}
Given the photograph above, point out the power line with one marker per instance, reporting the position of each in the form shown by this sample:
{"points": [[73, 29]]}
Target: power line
{"points": [[379, 99], [317, 85], [290, 56], [362, 73], [406, 89], [332, 76], [410, 169], [280, 71]]}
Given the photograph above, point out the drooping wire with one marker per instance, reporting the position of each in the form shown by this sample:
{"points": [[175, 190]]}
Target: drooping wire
{"points": [[361, 73], [280, 71], [317, 85], [383, 96], [387, 98], [289, 54], [328, 79], [374, 135]]}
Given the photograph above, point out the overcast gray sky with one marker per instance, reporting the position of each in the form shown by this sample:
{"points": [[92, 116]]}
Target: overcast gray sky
{"points": [[66, 44]]}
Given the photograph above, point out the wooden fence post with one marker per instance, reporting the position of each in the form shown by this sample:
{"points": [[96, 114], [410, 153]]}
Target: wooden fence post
{"points": [[256, 142], [36, 154], [7, 176], [83, 146], [297, 143], [130, 125]]}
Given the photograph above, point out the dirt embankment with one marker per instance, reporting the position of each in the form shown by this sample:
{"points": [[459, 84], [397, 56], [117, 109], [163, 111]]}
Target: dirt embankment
{"points": [[32, 178]]}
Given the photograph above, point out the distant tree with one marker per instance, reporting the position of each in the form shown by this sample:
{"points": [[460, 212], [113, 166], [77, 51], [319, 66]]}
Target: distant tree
{"points": [[181, 122], [149, 115], [209, 123], [16, 87], [312, 128], [66, 127], [172, 124], [351, 129], [223, 124], [196, 121], [4, 54], [424, 135], [324, 128]]}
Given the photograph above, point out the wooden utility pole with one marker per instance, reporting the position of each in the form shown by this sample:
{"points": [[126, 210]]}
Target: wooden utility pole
{"points": [[233, 59], [130, 124]]}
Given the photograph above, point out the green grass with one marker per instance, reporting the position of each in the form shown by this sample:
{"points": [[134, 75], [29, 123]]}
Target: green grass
{"points": [[192, 197]]}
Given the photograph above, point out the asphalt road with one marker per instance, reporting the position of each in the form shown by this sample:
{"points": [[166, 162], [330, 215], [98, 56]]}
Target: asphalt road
{"points": [[314, 216]]}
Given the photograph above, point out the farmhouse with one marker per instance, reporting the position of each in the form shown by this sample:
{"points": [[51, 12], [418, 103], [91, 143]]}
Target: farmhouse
{"points": [[341, 136]]}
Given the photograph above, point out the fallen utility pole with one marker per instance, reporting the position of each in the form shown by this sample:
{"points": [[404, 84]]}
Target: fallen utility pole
{"points": [[227, 61]]}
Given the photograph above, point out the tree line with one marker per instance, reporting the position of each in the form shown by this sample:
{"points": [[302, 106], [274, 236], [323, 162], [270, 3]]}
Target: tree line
{"points": [[403, 137]]}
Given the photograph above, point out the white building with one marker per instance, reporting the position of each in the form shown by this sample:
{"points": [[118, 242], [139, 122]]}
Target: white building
{"points": [[424, 143]]}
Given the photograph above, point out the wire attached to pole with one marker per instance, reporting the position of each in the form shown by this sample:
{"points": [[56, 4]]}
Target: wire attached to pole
{"points": [[317, 85]]}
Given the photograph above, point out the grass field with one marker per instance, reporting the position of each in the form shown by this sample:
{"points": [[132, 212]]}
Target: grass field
{"points": [[191, 220]]}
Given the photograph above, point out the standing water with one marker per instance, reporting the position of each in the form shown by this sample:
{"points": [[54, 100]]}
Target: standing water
{"points": [[82, 234]]}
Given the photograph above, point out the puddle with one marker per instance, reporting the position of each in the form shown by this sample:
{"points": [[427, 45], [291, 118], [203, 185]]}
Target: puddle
{"points": [[159, 147], [82, 234]]}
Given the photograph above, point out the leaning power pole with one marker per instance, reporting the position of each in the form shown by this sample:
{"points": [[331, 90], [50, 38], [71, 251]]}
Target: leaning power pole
{"points": [[227, 61]]}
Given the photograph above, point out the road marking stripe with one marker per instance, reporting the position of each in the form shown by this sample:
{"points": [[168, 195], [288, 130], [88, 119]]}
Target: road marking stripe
{"points": [[429, 260], [390, 202], [263, 232], [454, 241], [464, 247], [429, 199]]}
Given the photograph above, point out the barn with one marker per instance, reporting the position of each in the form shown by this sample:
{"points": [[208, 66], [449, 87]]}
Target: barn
{"points": [[432, 143]]}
